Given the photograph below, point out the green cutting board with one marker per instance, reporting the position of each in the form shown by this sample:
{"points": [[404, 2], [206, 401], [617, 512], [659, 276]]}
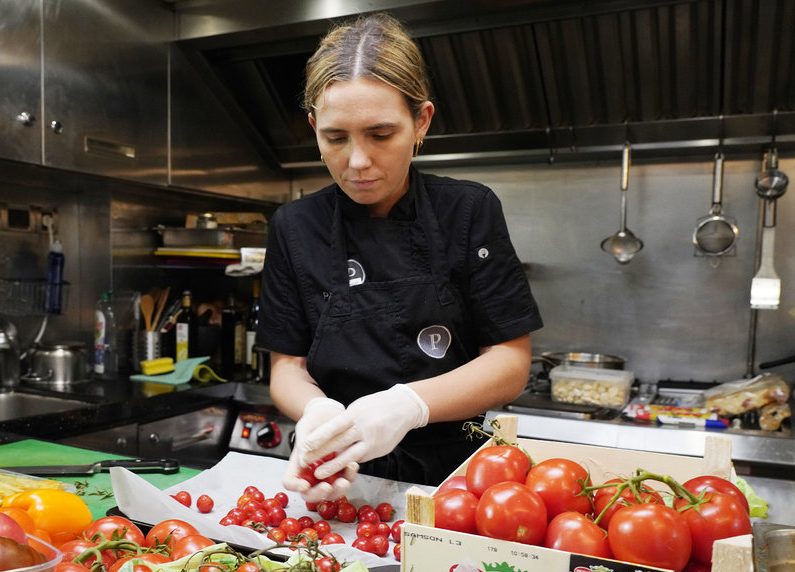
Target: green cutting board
{"points": [[32, 452]]}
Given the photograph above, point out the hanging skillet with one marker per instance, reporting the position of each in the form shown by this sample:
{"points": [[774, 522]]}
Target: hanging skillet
{"points": [[716, 234]]}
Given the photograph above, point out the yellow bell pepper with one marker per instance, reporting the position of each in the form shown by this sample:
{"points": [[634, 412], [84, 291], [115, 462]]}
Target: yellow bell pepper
{"points": [[55, 511]]}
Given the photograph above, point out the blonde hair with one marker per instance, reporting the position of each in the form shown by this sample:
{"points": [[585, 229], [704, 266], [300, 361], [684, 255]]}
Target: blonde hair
{"points": [[375, 46]]}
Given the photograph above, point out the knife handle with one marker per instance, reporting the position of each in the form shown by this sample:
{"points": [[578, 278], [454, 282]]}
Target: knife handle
{"points": [[167, 466]]}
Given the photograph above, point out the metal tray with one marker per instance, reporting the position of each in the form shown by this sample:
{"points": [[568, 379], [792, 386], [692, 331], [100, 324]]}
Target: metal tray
{"points": [[213, 237]]}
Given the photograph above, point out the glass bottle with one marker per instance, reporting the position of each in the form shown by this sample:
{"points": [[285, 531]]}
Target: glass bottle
{"points": [[185, 329], [106, 354], [252, 323]]}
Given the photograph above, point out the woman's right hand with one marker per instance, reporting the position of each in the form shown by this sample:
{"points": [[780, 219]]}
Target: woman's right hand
{"points": [[316, 412]]}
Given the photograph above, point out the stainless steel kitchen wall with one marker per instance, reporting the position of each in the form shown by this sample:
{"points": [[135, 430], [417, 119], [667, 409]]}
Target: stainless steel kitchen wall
{"points": [[671, 314]]}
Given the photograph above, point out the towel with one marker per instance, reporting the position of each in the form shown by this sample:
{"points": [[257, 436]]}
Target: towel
{"points": [[184, 371]]}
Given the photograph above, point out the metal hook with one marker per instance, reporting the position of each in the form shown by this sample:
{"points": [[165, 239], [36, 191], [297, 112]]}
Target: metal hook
{"points": [[722, 134], [773, 128], [551, 159]]}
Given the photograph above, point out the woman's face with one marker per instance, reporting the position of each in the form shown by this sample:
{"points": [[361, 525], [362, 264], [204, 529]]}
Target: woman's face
{"points": [[366, 135]]}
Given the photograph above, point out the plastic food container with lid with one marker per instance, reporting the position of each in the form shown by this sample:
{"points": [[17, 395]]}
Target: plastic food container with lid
{"points": [[591, 386]]}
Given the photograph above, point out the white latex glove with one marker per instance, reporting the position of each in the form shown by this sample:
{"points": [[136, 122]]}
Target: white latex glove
{"points": [[370, 427], [316, 412]]}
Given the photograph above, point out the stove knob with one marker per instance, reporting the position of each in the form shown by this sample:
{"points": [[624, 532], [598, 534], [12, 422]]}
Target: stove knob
{"points": [[269, 435]]}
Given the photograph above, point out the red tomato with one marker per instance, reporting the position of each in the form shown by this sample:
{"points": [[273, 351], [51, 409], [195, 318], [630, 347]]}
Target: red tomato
{"points": [[311, 505], [290, 526], [369, 516], [205, 503], [455, 509], [651, 534], [494, 465], [282, 498], [720, 516], [248, 567], [306, 521], [114, 528], [150, 557], [308, 473], [75, 548], [385, 511], [168, 532], [379, 545], [397, 528], [322, 527], [275, 516], [718, 485], [574, 532], [457, 482], [511, 511], [603, 496], [560, 482], [327, 509], [346, 512], [327, 564], [10, 528], [277, 535], [363, 544], [383, 529], [396, 551], [332, 538], [365, 530], [190, 544], [182, 497]]}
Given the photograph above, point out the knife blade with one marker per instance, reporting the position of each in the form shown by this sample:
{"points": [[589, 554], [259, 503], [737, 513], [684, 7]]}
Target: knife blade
{"points": [[167, 466]]}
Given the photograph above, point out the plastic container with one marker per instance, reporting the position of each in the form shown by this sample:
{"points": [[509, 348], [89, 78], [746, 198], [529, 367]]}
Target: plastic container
{"points": [[53, 555], [591, 386]]}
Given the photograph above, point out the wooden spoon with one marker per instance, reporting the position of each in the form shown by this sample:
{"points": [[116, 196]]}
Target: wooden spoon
{"points": [[161, 304], [147, 307]]}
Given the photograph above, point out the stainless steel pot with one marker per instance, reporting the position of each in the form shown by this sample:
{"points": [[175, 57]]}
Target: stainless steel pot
{"points": [[55, 364], [580, 359]]}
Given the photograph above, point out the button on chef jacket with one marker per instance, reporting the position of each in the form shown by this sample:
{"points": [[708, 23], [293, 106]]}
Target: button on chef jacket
{"points": [[372, 302]]}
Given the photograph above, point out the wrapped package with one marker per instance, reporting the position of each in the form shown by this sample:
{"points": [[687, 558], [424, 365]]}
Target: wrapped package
{"points": [[737, 397]]}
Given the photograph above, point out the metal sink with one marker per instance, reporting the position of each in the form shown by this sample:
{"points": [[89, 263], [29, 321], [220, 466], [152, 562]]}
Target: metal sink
{"points": [[16, 405]]}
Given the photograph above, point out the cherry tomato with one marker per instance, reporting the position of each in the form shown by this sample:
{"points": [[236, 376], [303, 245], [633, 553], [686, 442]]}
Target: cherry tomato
{"points": [[363, 544], [455, 509], [369, 516], [494, 465], [322, 527], [228, 521], [560, 482], [383, 529], [603, 496], [719, 516], [396, 551], [282, 498], [716, 484], [114, 528], [327, 509], [651, 534], [511, 511], [277, 535], [327, 564], [397, 528], [332, 538], [150, 557], [306, 521], [385, 511], [457, 482], [311, 505], [182, 497], [346, 512], [379, 544], [75, 548], [168, 532], [275, 516], [309, 533], [290, 526], [574, 532], [365, 530], [190, 544], [248, 567], [75, 567], [308, 473], [205, 503], [10, 528]]}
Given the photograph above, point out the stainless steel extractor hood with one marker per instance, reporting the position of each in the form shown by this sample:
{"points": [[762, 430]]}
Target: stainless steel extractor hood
{"points": [[524, 79]]}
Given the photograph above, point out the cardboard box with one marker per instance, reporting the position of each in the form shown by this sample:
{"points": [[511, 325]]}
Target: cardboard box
{"points": [[424, 547]]}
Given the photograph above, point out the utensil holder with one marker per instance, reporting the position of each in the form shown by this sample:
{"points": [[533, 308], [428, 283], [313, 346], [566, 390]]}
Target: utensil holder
{"points": [[146, 346]]}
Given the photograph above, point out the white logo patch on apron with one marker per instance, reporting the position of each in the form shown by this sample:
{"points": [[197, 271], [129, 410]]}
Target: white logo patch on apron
{"points": [[434, 341], [355, 273]]}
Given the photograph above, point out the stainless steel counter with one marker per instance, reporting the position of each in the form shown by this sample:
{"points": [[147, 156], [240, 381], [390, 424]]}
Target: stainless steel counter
{"points": [[750, 449]]}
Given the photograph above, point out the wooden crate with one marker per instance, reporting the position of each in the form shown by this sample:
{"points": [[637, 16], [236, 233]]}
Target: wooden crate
{"points": [[425, 548]]}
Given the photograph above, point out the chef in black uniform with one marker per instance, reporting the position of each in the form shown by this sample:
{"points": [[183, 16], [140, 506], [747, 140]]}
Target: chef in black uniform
{"points": [[394, 305]]}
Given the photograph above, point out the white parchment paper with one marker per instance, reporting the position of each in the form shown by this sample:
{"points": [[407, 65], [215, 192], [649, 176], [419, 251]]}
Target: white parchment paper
{"points": [[225, 482]]}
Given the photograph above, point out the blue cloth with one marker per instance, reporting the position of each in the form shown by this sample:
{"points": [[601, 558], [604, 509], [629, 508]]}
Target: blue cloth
{"points": [[183, 372]]}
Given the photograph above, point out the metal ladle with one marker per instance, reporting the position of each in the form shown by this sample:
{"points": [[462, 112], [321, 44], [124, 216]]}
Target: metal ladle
{"points": [[623, 245]]}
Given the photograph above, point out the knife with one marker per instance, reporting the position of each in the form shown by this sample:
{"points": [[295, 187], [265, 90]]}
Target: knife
{"points": [[167, 466]]}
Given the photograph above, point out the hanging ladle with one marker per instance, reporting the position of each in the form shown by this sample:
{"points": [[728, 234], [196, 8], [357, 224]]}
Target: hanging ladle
{"points": [[623, 245], [716, 233]]}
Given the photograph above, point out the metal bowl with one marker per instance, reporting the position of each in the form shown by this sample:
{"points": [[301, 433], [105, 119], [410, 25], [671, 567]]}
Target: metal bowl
{"points": [[56, 364], [583, 359]]}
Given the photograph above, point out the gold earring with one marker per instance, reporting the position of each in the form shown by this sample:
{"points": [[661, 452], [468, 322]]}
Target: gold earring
{"points": [[322, 159], [417, 146]]}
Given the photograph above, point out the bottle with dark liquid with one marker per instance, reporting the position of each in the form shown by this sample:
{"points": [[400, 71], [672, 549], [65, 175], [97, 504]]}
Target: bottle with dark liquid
{"points": [[252, 323], [185, 329]]}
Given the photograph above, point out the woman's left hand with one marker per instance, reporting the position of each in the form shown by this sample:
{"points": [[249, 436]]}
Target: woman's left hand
{"points": [[371, 427]]}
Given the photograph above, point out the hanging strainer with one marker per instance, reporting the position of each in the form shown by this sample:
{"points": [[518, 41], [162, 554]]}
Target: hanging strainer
{"points": [[716, 234]]}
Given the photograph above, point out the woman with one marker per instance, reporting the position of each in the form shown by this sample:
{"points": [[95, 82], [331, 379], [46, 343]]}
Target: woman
{"points": [[394, 305]]}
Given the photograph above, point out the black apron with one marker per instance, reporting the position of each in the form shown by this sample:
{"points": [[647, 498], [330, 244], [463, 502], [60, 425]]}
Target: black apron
{"points": [[372, 335]]}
